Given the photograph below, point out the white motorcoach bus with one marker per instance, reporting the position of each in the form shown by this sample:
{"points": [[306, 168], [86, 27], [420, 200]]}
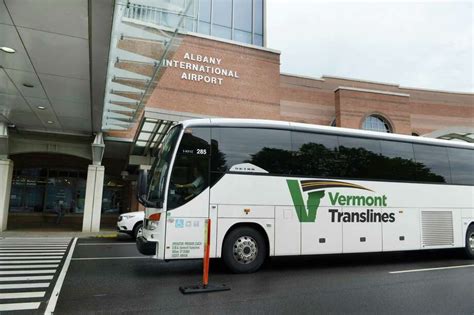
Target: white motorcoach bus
{"points": [[277, 188]]}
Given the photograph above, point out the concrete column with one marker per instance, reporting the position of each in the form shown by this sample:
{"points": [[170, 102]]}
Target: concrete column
{"points": [[6, 175], [93, 202]]}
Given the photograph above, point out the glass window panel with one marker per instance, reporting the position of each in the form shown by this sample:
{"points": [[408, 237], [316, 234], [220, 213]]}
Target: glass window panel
{"points": [[204, 28], [258, 40], [195, 141], [190, 24], [432, 164], [190, 175], [159, 170], [268, 149], [17, 196], [222, 32], [243, 37], [222, 12], [359, 157], [315, 154], [80, 195], [205, 10], [162, 126], [111, 199], [375, 123], [462, 166], [170, 19], [258, 17], [140, 143], [148, 126], [398, 161], [144, 136], [243, 15]]}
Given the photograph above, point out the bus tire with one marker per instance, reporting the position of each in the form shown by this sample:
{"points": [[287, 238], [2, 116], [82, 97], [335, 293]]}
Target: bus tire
{"points": [[244, 250], [470, 242]]}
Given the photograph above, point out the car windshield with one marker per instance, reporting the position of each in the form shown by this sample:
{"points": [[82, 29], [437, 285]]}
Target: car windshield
{"points": [[159, 171]]}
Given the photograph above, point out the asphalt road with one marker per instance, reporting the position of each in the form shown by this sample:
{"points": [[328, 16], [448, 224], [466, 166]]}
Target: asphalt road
{"points": [[110, 277]]}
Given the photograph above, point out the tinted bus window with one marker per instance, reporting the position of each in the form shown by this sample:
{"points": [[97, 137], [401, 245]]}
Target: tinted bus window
{"points": [[267, 149], [315, 154], [190, 174], [462, 166], [432, 164], [359, 158], [398, 161]]}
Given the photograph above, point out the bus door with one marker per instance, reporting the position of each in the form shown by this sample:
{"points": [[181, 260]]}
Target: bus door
{"points": [[188, 196]]}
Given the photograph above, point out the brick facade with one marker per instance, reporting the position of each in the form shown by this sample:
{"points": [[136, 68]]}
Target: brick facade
{"points": [[260, 91]]}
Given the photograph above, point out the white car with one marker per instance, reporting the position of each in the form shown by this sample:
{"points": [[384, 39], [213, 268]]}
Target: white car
{"points": [[131, 223]]}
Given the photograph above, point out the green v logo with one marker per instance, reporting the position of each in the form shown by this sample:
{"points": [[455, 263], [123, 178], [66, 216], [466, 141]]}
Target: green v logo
{"points": [[305, 212]]}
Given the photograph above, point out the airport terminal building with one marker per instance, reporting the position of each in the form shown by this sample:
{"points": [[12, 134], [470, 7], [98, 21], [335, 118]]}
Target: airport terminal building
{"points": [[89, 88]]}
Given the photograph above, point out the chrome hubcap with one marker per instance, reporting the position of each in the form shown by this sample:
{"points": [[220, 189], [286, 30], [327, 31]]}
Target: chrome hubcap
{"points": [[245, 250], [471, 241]]}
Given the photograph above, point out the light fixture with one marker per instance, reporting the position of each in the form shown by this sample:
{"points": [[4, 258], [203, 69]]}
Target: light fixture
{"points": [[7, 50], [28, 85], [50, 122], [43, 108]]}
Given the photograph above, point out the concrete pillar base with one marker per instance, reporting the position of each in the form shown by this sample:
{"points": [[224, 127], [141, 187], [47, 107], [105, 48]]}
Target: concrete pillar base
{"points": [[6, 174], [93, 201]]}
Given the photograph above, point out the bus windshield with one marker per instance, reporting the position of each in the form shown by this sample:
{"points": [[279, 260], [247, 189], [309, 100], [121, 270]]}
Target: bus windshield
{"points": [[160, 168]]}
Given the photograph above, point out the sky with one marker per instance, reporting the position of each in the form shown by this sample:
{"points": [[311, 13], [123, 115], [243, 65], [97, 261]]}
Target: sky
{"points": [[426, 44]]}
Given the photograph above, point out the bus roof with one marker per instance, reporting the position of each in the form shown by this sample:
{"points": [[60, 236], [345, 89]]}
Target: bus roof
{"points": [[275, 124]]}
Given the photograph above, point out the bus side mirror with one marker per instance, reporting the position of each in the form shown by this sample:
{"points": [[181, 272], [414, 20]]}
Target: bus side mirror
{"points": [[142, 186]]}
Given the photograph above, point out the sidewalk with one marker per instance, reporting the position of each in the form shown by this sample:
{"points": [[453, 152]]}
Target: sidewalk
{"points": [[109, 233]]}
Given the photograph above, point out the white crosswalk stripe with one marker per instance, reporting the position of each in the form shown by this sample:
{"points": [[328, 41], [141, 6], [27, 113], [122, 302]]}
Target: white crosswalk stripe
{"points": [[27, 266], [29, 261], [19, 306], [30, 250], [29, 269], [32, 253], [30, 257], [26, 278], [22, 295]]}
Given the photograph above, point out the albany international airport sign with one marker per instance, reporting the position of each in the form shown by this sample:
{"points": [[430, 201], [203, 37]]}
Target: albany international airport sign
{"points": [[201, 68]]}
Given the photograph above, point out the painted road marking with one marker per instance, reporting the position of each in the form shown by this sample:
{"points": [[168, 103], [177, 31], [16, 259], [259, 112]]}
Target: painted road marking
{"points": [[94, 244], [23, 272], [26, 278], [29, 265], [31, 250], [432, 269], [110, 258], [31, 257], [24, 285], [59, 282], [19, 306], [22, 295], [29, 261], [32, 246], [29, 254]]}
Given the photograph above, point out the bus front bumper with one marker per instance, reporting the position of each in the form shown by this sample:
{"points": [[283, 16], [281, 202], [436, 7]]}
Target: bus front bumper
{"points": [[145, 247]]}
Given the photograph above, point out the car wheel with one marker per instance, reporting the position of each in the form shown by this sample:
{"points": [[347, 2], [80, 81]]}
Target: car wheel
{"points": [[244, 250], [138, 230], [470, 242]]}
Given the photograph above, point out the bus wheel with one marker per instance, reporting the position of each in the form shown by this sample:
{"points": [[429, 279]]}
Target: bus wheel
{"points": [[244, 250], [470, 242]]}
